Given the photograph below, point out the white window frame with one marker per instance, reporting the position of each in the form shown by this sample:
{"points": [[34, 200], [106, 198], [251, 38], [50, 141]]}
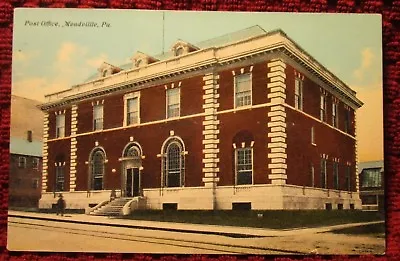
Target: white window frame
{"points": [[60, 125], [165, 161], [102, 118], [251, 90], [348, 177], [22, 162], [312, 170], [133, 95], [336, 178], [335, 114], [325, 185], [298, 93], [236, 165], [57, 179], [93, 175], [167, 116], [313, 135], [322, 108]]}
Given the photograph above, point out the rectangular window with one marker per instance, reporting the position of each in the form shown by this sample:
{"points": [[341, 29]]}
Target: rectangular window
{"points": [[60, 125], [22, 162], [132, 106], [312, 176], [323, 173], [335, 175], [29, 136], [173, 103], [312, 135], [348, 178], [371, 178], [335, 114], [322, 110], [97, 117], [35, 183], [35, 163], [298, 94], [347, 121], [244, 166], [59, 178], [243, 90]]}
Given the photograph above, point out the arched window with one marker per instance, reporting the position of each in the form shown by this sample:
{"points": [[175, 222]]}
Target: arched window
{"points": [[133, 152], [179, 51], [174, 163], [97, 161]]}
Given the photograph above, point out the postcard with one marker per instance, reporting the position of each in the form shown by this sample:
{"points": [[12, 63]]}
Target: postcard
{"points": [[189, 132]]}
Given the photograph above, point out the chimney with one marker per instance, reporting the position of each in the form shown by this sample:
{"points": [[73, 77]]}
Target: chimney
{"points": [[29, 136]]}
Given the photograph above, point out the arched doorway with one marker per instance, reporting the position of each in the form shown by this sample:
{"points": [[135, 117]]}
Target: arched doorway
{"points": [[131, 167]]}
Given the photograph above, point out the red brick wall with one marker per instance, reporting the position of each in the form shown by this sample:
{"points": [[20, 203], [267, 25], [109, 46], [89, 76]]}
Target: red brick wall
{"points": [[301, 153], [192, 95], [113, 111], [255, 122], [151, 138], [52, 122], [21, 190], [311, 100], [259, 81]]}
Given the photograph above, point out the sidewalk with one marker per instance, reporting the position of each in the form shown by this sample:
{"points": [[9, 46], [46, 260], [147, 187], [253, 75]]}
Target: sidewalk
{"points": [[180, 227]]}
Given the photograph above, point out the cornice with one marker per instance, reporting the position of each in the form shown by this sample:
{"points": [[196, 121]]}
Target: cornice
{"points": [[276, 43]]}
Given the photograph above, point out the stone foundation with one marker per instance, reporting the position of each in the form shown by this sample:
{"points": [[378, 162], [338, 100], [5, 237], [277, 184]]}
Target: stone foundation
{"points": [[261, 197]]}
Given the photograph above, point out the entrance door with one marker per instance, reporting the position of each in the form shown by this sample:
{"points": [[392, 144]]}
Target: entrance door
{"points": [[135, 187], [132, 182]]}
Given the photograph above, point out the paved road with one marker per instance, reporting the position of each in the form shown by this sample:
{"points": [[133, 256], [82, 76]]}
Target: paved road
{"points": [[44, 235]]}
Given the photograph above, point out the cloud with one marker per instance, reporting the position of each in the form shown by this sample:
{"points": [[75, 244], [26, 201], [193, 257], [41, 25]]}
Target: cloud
{"points": [[24, 56], [367, 58], [97, 61], [68, 51], [63, 72]]}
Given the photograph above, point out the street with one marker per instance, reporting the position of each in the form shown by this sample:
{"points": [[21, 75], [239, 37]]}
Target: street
{"points": [[27, 234], [63, 235]]}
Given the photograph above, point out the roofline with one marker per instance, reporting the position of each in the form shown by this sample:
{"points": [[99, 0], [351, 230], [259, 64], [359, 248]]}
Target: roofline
{"points": [[351, 94]]}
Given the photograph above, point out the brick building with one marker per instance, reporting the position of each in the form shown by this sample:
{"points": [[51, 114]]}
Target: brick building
{"points": [[247, 120], [372, 185], [25, 153]]}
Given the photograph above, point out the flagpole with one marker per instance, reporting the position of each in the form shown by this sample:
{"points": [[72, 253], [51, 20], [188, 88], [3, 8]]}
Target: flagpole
{"points": [[163, 31]]}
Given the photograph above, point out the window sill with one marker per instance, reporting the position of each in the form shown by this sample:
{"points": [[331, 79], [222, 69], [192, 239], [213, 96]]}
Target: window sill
{"points": [[245, 107]]}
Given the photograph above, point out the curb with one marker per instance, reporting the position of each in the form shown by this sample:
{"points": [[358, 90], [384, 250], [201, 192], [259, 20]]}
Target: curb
{"points": [[180, 230]]}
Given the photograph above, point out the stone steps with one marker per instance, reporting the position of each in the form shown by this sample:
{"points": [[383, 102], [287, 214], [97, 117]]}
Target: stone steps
{"points": [[113, 208]]}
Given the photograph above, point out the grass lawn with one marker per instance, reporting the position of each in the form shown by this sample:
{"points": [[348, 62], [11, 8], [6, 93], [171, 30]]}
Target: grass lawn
{"points": [[276, 219], [377, 230]]}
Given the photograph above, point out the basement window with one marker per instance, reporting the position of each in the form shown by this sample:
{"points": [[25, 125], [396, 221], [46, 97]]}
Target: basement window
{"points": [[241, 206], [170, 206], [328, 206]]}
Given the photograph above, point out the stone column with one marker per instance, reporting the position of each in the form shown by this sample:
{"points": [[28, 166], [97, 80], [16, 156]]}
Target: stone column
{"points": [[210, 130], [45, 151], [73, 157], [277, 122]]}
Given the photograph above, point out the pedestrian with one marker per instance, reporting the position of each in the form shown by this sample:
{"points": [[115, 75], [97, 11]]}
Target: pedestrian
{"points": [[60, 205]]}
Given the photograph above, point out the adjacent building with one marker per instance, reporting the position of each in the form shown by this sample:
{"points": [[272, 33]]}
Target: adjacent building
{"points": [[245, 120], [372, 185], [25, 153]]}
